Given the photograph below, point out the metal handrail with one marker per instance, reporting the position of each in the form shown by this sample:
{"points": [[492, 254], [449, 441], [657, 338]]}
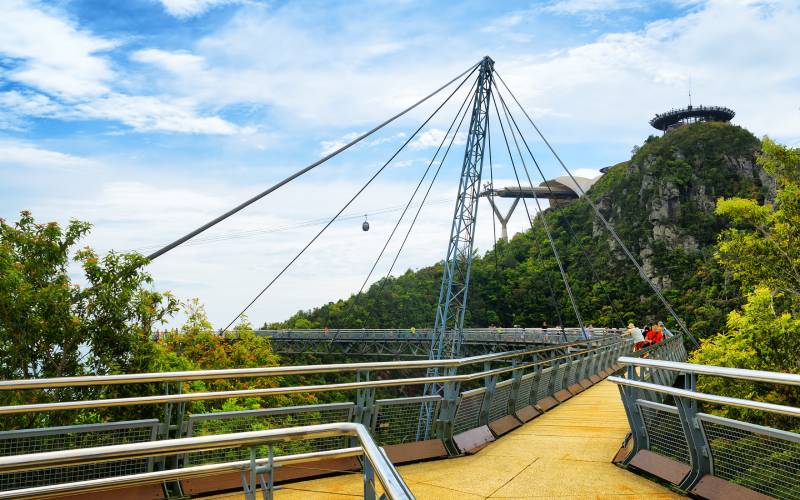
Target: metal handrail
{"points": [[709, 398], [384, 470], [717, 371], [108, 483], [277, 391], [272, 371]]}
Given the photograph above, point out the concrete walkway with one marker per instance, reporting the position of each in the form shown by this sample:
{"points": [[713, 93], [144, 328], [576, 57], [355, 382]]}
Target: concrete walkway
{"points": [[565, 453]]}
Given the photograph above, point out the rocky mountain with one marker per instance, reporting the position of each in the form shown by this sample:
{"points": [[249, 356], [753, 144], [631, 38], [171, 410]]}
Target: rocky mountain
{"points": [[661, 202]]}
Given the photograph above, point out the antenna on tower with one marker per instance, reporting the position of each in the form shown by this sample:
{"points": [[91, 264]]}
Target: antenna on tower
{"points": [[690, 92]]}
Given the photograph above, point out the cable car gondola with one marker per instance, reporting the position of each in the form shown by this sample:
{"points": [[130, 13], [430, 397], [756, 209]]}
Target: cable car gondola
{"points": [[365, 225]]}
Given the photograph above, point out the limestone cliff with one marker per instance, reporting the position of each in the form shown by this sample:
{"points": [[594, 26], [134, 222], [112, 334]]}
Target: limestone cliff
{"points": [[663, 199]]}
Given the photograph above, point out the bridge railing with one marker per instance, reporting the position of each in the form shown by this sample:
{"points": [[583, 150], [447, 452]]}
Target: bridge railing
{"points": [[705, 443], [482, 397], [415, 343], [255, 472], [530, 335]]}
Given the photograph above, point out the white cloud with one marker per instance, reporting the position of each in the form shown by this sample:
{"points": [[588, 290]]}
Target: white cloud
{"points": [[54, 55], [328, 147], [356, 73], [149, 113], [190, 8], [584, 6], [27, 155], [141, 113], [589, 173], [175, 62], [610, 88], [503, 23], [72, 82], [432, 137]]}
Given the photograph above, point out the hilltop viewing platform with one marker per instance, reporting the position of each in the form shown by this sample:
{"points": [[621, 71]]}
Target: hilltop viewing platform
{"points": [[691, 114]]}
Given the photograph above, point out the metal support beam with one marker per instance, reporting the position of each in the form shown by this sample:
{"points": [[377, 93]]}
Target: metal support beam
{"points": [[449, 323], [503, 220]]}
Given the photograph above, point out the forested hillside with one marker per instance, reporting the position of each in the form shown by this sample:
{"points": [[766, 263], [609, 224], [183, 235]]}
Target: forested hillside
{"points": [[662, 204]]}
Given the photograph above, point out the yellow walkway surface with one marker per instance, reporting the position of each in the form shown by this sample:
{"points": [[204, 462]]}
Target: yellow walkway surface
{"points": [[565, 453]]}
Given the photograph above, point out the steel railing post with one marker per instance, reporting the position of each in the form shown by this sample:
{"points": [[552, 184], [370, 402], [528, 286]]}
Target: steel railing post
{"points": [[490, 383], [699, 451], [369, 479], [635, 421], [447, 413], [365, 401], [581, 373], [537, 377], [516, 376]]}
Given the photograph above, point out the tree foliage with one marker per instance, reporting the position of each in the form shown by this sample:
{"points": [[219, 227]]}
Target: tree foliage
{"points": [[51, 327], [762, 251]]}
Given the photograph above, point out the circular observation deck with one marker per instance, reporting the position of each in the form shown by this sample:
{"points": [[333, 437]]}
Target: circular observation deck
{"points": [[676, 117]]}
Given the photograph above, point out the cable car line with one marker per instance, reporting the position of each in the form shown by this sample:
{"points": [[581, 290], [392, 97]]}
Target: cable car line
{"points": [[419, 184], [352, 199]]}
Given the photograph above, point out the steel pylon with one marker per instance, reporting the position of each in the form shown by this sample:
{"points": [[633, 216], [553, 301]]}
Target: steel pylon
{"points": [[448, 331], [449, 324]]}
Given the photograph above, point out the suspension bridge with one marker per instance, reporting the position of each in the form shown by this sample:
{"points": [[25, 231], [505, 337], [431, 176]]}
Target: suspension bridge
{"points": [[453, 413]]}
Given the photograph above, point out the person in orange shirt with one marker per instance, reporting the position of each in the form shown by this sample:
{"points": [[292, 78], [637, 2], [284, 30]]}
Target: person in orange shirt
{"points": [[654, 335]]}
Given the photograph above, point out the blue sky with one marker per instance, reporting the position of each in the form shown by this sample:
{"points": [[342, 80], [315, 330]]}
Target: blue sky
{"points": [[149, 117]]}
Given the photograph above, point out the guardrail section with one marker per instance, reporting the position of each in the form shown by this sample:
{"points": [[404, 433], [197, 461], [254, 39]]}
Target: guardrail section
{"points": [[72, 437], [255, 473], [481, 398], [678, 438]]}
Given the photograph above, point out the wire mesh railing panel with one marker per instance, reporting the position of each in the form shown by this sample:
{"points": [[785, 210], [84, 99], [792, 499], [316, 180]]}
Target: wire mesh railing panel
{"points": [[759, 458], [499, 408], [274, 418], [469, 411], [70, 438], [665, 434], [572, 373], [559, 378], [543, 387], [524, 394], [396, 421]]}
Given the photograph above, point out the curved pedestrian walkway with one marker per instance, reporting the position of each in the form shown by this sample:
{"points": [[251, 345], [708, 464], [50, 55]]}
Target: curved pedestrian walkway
{"points": [[565, 453]]}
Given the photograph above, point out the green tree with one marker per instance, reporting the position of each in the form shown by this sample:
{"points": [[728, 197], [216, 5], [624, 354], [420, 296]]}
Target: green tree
{"points": [[762, 251], [52, 327]]}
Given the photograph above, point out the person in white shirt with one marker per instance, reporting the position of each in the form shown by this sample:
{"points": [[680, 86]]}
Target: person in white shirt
{"points": [[636, 335]]}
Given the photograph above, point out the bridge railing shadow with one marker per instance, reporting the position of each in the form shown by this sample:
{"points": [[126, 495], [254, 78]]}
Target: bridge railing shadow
{"points": [[481, 398], [710, 445]]}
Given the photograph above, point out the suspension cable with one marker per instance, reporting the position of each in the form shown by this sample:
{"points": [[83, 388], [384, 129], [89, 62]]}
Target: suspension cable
{"points": [[605, 222], [416, 189], [494, 228], [356, 195], [303, 171], [569, 227], [428, 191], [544, 222], [552, 294], [382, 282]]}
